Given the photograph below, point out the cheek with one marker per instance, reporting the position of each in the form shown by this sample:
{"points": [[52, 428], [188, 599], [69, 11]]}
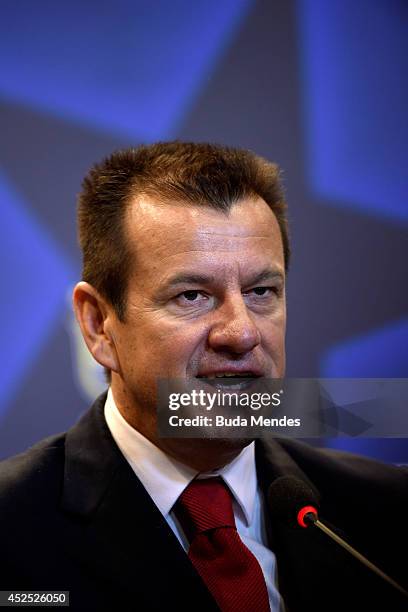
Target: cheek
{"points": [[273, 331], [176, 345], [186, 338]]}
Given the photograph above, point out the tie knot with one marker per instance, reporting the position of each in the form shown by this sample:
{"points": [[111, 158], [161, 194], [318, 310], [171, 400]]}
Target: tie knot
{"points": [[205, 504]]}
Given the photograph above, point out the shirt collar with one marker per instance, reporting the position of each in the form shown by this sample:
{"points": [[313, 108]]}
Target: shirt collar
{"points": [[165, 478]]}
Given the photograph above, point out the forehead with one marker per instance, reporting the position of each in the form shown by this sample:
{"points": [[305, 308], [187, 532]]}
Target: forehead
{"points": [[171, 235]]}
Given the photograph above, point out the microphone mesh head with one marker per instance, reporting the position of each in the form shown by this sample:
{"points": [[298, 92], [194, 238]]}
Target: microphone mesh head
{"points": [[287, 495]]}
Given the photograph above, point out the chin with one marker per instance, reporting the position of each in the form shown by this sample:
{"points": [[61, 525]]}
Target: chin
{"points": [[232, 443]]}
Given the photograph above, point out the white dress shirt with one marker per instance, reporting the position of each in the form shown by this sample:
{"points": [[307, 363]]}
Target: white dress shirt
{"points": [[165, 478]]}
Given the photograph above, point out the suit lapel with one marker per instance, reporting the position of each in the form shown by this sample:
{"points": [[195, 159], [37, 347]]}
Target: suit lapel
{"points": [[125, 537]]}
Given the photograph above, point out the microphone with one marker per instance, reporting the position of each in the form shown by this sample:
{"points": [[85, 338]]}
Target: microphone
{"points": [[293, 502]]}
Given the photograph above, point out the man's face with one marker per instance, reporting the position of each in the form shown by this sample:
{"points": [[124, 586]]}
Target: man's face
{"points": [[205, 297]]}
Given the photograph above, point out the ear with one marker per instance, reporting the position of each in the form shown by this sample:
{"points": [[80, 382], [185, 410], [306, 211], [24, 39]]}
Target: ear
{"points": [[94, 317]]}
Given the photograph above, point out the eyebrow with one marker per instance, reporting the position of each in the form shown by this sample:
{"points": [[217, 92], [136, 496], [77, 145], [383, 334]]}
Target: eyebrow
{"points": [[203, 279], [267, 275], [189, 279]]}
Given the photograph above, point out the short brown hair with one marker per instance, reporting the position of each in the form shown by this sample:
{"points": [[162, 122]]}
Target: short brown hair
{"points": [[196, 173]]}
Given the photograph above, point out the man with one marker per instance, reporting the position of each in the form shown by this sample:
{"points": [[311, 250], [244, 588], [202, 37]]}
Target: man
{"points": [[185, 251]]}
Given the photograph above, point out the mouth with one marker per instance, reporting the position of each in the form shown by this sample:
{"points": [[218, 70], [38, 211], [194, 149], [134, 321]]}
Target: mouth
{"points": [[230, 380]]}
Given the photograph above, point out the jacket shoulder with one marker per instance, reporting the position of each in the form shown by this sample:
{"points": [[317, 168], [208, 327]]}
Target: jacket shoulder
{"points": [[349, 475], [28, 477]]}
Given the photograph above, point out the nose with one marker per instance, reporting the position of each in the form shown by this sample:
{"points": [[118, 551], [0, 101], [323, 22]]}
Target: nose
{"points": [[234, 330]]}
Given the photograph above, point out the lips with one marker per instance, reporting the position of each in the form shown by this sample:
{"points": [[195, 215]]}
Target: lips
{"points": [[229, 372], [232, 378], [229, 375]]}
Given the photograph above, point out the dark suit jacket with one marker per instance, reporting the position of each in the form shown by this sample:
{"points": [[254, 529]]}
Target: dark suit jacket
{"points": [[73, 516]]}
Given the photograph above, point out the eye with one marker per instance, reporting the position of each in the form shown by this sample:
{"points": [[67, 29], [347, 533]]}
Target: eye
{"points": [[191, 295], [262, 292]]}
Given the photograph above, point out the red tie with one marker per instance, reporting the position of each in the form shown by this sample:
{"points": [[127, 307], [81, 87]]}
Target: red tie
{"points": [[230, 571]]}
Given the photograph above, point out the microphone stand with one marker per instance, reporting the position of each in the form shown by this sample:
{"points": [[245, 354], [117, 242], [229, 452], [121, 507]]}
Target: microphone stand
{"points": [[311, 519]]}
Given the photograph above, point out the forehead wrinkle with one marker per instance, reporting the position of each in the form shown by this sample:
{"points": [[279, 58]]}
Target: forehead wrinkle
{"points": [[242, 235], [273, 266], [224, 244]]}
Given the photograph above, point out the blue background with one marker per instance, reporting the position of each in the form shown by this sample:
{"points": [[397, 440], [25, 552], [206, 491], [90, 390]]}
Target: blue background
{"points": [[320, 87]]}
